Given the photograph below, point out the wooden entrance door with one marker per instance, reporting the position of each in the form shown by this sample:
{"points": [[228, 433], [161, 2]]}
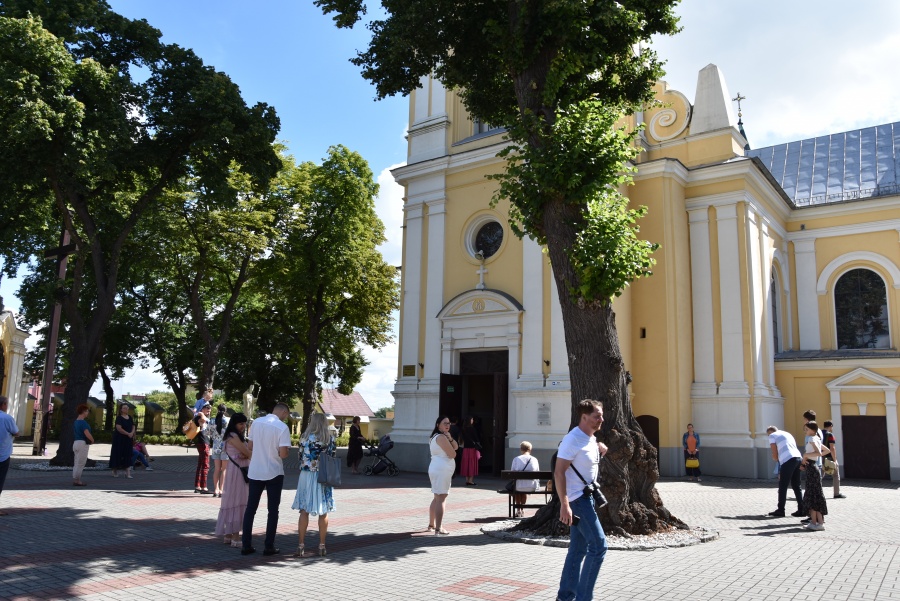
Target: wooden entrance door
{"points": [[865, 447], [450, 396]]}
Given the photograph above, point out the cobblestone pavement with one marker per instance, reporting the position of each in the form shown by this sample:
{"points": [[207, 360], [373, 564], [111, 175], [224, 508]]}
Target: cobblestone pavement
{"points": [[151, 538]]}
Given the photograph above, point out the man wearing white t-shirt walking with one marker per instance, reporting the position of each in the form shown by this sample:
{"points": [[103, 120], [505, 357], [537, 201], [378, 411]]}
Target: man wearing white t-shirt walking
{"points": [[587, 542], [269, 441]]}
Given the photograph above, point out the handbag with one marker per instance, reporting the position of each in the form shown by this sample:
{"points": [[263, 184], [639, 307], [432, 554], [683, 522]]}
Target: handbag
{"points": [[190, 429], [329, 470], [691, 462], [828, 466], [511, 485], [243, 469]]}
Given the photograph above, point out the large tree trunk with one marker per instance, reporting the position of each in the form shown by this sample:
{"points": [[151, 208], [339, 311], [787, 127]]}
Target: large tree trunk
{"points": [[629, 471], [78, 386]]}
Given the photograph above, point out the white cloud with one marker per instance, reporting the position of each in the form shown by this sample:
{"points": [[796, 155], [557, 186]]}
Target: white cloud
{"points": [[806, 69]]}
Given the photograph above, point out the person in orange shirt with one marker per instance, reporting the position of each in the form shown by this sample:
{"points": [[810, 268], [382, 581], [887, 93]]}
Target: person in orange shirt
{"points": [[691, 444]]}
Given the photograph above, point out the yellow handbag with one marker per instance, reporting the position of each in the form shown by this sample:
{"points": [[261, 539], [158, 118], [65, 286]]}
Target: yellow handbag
{"points": [[691, 462]]}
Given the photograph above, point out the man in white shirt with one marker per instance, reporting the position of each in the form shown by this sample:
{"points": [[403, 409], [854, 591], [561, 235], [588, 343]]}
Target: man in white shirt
{"points": [[8, 431], [269, 440], [785, 452], [580, 450]]}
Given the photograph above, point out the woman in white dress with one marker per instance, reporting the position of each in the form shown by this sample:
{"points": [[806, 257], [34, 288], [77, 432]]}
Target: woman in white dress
{"points": [[440, 471]]}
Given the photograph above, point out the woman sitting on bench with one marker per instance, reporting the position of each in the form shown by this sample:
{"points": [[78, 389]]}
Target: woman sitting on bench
{"points": [[524, 463]]}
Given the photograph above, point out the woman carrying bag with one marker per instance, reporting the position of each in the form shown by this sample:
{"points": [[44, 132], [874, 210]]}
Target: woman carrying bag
{"points": [[313, 498], [690, 442]]}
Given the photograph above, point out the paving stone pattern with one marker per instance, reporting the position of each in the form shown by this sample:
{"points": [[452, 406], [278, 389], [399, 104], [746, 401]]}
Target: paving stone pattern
{"points": [[151, 538]]}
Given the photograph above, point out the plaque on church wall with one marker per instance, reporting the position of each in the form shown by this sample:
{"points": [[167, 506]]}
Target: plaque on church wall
{"points": [[543, 416], [409, 371]]}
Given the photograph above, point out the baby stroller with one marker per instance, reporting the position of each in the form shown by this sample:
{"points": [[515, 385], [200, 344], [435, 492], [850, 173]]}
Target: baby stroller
{"points": [[382, 462]]}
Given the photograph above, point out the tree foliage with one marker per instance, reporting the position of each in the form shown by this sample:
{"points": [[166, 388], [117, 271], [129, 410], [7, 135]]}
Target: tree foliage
{"points": [[557, 76], [324, 291], [100, 120]]}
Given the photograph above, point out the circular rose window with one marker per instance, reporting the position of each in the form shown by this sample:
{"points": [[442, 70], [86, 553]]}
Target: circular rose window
{"points": [[488, 238]]}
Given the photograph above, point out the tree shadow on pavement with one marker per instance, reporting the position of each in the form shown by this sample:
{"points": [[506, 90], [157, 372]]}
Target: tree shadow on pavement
{"points": [[67, 552]]}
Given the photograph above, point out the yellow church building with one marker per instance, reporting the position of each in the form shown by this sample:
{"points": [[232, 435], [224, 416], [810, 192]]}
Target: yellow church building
{"points": [[775, 291]]}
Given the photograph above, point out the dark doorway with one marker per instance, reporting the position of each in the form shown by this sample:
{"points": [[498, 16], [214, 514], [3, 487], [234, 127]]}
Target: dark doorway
{"points": [[865, 447], [650, 425], [481, 390]]}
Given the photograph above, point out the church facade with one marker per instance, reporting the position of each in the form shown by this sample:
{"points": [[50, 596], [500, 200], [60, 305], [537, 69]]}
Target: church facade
{"points": [[775, 291]]}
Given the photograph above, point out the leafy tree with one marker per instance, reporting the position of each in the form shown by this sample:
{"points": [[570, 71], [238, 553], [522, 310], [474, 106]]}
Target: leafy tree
{"points": [[199, 252], [557, 75], [99, 120], [324, 290]]}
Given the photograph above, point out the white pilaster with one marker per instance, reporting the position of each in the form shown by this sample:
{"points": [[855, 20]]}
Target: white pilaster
{"points": [[434, 299], [412, 280], [702, 304], [559, 358], [807, 299], [890, 411], [757, 295], [533, 319], [733, 377]]}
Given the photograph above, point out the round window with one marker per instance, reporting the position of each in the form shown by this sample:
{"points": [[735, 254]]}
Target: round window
{"points": [[488, 238]]}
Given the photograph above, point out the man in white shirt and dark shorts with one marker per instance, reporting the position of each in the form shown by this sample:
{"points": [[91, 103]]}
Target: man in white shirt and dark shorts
{"points": [[587, 542], [270, 441]]}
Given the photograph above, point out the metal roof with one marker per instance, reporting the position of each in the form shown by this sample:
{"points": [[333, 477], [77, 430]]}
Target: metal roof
{"points": [[853, 165]]}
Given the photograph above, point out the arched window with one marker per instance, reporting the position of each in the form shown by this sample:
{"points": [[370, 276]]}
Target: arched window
{"points": [[860, 309]]}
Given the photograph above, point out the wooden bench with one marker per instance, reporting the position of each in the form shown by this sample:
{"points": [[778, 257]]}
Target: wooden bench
{"points": [[520, 475]]}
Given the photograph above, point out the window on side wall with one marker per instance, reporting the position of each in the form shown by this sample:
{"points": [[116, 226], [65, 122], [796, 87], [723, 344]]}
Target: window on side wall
{"points": [[860, 309]]}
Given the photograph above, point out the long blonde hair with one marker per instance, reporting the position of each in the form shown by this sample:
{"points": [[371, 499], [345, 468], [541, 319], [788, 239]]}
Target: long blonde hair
{"points": [[318, 426]]}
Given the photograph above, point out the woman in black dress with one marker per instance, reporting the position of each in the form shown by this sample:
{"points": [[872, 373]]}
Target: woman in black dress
{"points": [[122, 443], [355, 446], [814, 497]]}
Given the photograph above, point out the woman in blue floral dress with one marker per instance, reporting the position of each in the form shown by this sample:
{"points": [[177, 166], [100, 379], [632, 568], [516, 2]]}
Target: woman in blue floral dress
{"points": [[313, 498]]}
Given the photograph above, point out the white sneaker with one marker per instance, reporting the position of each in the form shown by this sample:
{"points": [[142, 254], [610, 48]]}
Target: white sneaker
{"points": [[149, 469]]}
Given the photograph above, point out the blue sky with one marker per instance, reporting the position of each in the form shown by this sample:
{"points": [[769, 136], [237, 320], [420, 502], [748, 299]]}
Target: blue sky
{"points": [[806, 69]]}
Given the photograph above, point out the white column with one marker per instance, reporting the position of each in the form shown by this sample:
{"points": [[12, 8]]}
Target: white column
{"points": [[837, 422], [412, 279], [533, 318], [807, 299], [730, 299], [702, 304], [434, 289], [890, 411]]}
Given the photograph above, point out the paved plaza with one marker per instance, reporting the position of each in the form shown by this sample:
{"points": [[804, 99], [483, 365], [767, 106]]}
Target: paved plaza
{"points": [[151, 538]]}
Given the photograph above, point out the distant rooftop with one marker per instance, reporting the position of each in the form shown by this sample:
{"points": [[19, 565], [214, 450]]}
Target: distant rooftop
{"points": [[853, 165], [341, 405]]}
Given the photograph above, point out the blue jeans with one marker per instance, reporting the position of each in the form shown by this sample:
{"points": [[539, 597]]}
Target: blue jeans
{"points": [[587, 548], [273, 489], [138, 457]]}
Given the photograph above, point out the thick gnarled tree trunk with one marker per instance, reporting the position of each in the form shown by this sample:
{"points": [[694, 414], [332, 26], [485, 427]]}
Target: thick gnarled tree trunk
{"points": [[629, 470]]}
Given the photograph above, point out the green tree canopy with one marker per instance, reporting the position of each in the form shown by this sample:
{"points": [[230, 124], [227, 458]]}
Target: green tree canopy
{"points": [[99, 120]]}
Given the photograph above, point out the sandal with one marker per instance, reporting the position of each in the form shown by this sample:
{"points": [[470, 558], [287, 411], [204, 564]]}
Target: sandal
{"points": [[430, 529], [228, 539], [441, 532], [322, 551], [300, 552], [236, 543]]}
